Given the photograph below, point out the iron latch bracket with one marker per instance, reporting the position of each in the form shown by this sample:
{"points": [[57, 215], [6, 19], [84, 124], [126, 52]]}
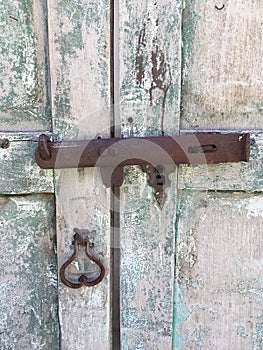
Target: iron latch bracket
{"points": [[157, 155]]}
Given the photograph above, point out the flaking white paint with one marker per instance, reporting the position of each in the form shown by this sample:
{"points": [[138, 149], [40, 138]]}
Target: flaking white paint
{"points": [[255, 207]]}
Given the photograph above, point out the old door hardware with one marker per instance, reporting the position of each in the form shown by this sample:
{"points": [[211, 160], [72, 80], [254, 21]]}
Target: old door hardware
{"points": [[4, 143], [157, 155], [158, 179], [83, 279], [43, 148]]}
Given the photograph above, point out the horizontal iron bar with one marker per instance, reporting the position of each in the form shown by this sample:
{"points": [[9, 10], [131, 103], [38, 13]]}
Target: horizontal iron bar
{"points": [[198, 148]]}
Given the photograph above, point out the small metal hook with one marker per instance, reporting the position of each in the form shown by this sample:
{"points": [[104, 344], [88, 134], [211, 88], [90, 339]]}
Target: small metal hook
{"points": [[220, 7], [83, 280]]}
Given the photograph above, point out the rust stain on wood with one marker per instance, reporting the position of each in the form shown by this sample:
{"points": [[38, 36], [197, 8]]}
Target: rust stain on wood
{"points": [[161, 77]]}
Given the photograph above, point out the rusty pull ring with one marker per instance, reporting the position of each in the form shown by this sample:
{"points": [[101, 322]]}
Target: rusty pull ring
{"points": [[83, 280]]}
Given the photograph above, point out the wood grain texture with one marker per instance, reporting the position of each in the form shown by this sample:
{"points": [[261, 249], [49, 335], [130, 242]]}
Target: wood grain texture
{"points": [[222, 65], [28, 269], [232, 176], [19, 173], [219, 245], [80, 87], [23, 69], [149, 104], [219, 271]]}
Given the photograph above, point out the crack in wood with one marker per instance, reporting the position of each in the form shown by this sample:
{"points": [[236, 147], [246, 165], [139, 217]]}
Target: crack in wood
{"points": [[139, 58]]}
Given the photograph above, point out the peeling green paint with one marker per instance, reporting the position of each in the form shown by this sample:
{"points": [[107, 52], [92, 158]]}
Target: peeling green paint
{"points": [[79, 39], [19, 173], [258, 338], [189, 22], [77, 21], [149, 93], [62, 107], [28, 303], [223, 232], [23, 100], [150, 87], [181, 313]]}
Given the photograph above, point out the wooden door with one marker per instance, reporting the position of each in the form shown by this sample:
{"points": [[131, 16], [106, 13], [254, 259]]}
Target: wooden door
{"points": [[28, 264], [55, 79], [184, 276], [55, 59], [218, 293]]}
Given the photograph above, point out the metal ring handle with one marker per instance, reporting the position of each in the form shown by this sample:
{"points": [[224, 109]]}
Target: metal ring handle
{"points": [[84, 279]]}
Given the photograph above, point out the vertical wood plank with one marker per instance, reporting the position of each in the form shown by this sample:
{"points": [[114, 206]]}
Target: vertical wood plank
{"points": [[219, 263], [28, 266], [219, 271], [79, 37], [149, 47], [28, 273], [24, 102], [222, 69]]}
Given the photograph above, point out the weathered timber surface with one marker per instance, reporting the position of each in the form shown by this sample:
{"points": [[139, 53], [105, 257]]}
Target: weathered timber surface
{"points": [[219, 246], [149, 104], [219, 271], [241, 176], [222, 65], [23, 66], [79, 59], [19, 173], [28, 269]]}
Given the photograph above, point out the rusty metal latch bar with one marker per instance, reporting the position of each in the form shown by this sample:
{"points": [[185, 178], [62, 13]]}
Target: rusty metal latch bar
{"points": [[157, 155]]}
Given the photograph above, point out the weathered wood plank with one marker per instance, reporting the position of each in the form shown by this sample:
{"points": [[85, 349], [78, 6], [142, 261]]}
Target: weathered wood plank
{"points": [[219, 267], [23, 78], [80, 87], [219, 271], [232, 176], [149, 94], [28, 269], [222, 69], [19, 173]]}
